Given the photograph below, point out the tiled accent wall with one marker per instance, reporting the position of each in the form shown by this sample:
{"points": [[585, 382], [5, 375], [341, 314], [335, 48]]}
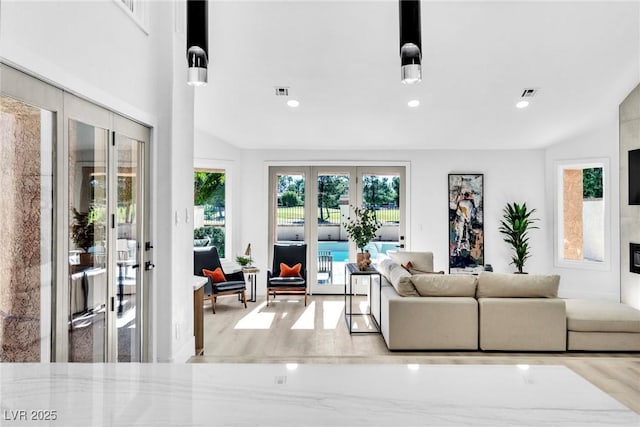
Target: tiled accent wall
{"points": [[629, 114], [20, 252]]}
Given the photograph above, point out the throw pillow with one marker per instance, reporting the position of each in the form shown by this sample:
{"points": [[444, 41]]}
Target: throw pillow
{"points": [[408, 266], [286, 271], [216, 275], [420, 260], [411, 269], [440, 285], [416, 271]]}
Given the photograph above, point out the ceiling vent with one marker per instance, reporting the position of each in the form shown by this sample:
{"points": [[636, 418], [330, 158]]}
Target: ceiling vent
{"points": [[282, 91], [528, 93]]}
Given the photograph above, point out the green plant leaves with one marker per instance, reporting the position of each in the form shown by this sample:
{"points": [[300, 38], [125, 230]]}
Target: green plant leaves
{"points": [[515, 226], [363, 227]]}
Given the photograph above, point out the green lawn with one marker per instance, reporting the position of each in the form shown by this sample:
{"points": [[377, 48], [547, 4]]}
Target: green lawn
{"points": [[296, 215]]}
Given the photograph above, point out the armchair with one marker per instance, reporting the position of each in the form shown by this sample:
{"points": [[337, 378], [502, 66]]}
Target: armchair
{"points": [[289, 255], [208, 258]]}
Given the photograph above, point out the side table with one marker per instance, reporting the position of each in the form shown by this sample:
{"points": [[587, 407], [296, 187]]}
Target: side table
{"points": [[198, 282], [352, 270], [251, 274]]}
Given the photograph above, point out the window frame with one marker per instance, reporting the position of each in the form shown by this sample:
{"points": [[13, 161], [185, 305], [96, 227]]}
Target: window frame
{"points": [[139, 15], [558, 248]]}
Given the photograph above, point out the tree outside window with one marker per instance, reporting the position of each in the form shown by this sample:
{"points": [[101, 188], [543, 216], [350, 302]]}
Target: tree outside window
{"points": [[209, 209]]}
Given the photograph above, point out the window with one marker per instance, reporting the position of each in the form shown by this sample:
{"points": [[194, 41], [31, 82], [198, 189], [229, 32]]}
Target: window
{"points": [[582, 214], [209, 211], [136, 10]]}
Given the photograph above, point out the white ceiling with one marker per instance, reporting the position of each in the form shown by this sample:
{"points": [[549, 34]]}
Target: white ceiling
{"points": [[340, 60]]}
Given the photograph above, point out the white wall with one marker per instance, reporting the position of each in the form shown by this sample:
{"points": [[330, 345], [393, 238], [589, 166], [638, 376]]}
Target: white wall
{"points": [[509, 176], [93, 49], [597, 143]]}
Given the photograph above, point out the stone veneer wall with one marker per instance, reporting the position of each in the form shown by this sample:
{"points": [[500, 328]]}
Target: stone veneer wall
{"points": [[20, 250], [572, 213], [629, 115]]}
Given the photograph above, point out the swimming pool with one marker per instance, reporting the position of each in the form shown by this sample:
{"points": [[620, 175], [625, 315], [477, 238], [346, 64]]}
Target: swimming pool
{"points": [[340, 250]]}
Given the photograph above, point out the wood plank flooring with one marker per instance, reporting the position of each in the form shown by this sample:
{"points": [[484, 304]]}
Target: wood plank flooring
{"points": [[286, 331]]}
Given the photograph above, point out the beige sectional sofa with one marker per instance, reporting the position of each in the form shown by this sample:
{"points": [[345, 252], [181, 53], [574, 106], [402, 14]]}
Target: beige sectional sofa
{"points": [[420, 310]]}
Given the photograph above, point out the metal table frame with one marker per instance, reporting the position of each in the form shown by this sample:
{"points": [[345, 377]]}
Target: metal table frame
{"points": [[351, 270], [251, 274]]}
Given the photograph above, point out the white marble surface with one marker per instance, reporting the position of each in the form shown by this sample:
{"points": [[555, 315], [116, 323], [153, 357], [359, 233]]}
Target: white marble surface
{"points": [[313, 395], [198, 281]]}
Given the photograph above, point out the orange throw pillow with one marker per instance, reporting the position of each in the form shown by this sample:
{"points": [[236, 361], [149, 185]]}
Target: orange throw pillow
{"points": [[408, 266], [216, 275], [286, 271]]}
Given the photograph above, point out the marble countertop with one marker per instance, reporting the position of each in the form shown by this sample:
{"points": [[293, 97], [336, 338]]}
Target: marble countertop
{"points": [[198, 281], [303, 395]]}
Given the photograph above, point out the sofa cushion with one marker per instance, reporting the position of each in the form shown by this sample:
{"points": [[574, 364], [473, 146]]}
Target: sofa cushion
{"points": [[440, 285], [419, 260], [399, 278], [601, 316], [228, 287], [501, 285]]}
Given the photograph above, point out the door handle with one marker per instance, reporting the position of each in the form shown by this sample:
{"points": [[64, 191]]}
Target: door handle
{"points": [[135, 266], [149, 265]]}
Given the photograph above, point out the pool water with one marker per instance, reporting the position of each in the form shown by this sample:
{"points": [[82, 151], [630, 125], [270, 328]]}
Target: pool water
{"points": [[340, 250]]}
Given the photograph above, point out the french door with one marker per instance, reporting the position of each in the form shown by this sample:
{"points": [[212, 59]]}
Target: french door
{"points": [[106, 199], [79, 175], [312, 204]]}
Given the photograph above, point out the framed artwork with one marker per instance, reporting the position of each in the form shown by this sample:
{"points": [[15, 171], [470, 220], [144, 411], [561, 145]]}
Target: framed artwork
{"points": [[466, 223]]}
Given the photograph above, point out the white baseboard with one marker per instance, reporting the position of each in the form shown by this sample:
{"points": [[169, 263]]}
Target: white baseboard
{"points": [[185, 352]]}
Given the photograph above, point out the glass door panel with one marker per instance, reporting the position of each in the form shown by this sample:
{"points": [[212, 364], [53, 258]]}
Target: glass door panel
{"points": [[290, 208], [381, 193], [87, 242], [128, 255], [332, 243]]}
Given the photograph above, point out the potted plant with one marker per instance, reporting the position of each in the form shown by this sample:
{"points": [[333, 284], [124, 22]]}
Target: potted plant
{"points": [[362, 229], [82, 230], [515, 226]]}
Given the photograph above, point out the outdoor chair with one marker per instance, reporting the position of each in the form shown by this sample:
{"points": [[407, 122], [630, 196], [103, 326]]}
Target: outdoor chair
{"points": [[290, 255], [208, 258], [325, 267]]}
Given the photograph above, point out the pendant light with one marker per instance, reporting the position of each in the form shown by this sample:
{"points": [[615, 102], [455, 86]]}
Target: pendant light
{"points": [[410, 41], [197, 42]]}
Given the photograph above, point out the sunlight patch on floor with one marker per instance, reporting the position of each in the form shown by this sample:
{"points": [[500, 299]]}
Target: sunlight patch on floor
{"points": [[332, 312], [306, 319], [255, 319]]}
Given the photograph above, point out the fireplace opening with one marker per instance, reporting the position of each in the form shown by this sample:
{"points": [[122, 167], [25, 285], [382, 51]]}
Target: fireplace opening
{"points": [[634, 257]]}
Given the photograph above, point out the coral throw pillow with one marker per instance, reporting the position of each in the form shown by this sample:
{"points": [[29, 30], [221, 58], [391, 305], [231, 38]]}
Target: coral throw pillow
{"points": [[216, 275], [286, 271]]}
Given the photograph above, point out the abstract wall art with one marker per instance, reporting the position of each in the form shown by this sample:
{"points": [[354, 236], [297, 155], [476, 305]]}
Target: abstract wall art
{"points": [[466, 223]]}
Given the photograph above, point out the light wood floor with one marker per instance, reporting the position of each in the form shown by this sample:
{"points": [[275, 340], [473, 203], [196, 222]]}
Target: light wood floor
{"points": [[286, 331]]}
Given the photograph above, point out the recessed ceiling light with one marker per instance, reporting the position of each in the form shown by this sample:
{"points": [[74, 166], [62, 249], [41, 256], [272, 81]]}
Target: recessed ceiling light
{"points": [[293, 103], [413, 103], [522, 104]]}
